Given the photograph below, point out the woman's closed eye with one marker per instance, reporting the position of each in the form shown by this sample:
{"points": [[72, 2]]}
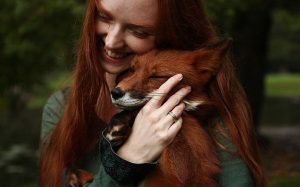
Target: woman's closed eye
{"points": [[140, 33], [103, 17]]}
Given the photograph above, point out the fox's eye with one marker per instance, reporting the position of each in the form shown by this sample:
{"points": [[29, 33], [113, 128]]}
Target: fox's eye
{"points": [[154, 77]]}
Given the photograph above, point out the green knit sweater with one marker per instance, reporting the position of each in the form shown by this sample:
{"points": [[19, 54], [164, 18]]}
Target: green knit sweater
{"points": [[234, 171]]}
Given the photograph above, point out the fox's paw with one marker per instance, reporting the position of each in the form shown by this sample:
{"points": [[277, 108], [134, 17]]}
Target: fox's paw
{"points": [[119, 127], [76, 177], [117, 134]]}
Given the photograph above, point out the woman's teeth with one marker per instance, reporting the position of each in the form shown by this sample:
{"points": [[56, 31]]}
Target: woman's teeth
{"points": [[115, 55]]}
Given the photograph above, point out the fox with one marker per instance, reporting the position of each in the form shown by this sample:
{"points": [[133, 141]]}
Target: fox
{"points": [[191, 159]]}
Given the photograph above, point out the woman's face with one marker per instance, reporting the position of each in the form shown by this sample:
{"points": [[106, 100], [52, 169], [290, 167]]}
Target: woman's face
{"points": [[126, 28]]}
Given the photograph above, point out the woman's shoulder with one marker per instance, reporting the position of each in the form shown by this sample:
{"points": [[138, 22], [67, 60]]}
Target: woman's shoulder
{"points": [[53, 110], [234, 170]]}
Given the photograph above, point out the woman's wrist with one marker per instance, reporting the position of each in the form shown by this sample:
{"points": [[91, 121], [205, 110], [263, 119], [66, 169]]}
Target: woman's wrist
{"points": [[132, 156], [122, 170]]}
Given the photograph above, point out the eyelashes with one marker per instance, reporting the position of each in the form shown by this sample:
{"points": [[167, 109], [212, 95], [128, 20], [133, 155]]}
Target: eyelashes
{"points": [[101, 16], [140, 33]]}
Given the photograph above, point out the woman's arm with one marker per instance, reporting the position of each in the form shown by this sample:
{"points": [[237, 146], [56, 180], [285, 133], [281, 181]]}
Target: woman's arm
{"points": [[52, 112]]}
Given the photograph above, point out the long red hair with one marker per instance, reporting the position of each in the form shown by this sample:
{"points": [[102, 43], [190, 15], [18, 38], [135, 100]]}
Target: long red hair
{"points": [[180, 25]]}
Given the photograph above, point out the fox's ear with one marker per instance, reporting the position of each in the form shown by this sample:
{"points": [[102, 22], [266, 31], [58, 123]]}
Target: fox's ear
{"points": [[210, 57], [223, 44]]}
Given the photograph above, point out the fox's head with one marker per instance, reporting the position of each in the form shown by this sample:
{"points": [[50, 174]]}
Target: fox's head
{"points": [[150, 70]]}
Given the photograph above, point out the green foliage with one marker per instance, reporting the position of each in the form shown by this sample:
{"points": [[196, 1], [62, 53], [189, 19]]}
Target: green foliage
{"points": [[285, 43], [224, 13], [282, 101], [288, 181], [283, 85], [36, 37], [37, 44], [284, 36], [280, 111]]}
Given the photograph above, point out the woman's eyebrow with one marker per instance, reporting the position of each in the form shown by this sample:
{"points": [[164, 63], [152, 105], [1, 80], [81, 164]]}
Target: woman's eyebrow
{"points": [[147, 27], [101, 9]]}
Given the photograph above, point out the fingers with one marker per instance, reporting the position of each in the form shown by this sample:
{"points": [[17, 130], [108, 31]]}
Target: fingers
{"points": [[174, 100], [163, 90], [165, 125], [174, 115], [174, 129], [170, 119]]}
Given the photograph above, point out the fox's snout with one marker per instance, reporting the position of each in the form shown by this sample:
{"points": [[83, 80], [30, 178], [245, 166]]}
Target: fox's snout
{"points": [[117, 93], [127, 99]]}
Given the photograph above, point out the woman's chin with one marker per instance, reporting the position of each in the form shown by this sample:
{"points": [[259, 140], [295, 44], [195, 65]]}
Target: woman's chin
{"points": [[113, 69]]}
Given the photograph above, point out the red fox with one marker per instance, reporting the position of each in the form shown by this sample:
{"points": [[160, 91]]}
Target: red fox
{"points": [[191, 159]]}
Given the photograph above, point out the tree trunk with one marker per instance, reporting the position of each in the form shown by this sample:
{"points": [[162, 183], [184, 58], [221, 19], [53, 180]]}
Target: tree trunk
{"points": [[250, 48]]}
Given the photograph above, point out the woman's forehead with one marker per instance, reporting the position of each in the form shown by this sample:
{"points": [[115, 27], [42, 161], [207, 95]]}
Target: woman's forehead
{"points": [[138, 12]]}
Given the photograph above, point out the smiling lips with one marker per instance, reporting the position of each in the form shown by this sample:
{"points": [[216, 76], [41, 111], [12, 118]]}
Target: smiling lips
{"points": [[113, 57]]}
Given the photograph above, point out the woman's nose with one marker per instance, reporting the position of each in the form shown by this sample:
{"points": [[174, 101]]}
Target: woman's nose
{"points": [[114, 38]]}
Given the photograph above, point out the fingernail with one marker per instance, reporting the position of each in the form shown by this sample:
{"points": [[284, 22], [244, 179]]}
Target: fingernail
{"points": [[179, 76], [188, 88]]}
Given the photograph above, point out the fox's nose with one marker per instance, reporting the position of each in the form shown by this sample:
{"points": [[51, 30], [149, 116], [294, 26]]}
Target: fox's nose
{"points": [[117, 93]]}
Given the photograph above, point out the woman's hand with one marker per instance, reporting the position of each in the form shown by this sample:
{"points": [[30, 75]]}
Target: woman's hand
{"points": [[154, 129]]}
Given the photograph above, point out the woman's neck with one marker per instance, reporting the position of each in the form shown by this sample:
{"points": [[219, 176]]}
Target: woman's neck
{"points": [[111, 80]]}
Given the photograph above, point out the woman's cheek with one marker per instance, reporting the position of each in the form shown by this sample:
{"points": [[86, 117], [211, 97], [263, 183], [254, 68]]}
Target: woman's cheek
{"points": [[140, 46], [101, 27]]}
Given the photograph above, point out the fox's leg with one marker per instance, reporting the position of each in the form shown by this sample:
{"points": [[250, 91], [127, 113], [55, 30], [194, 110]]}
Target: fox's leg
{"points": [[119, 127], [190, 160], [193, 155]]}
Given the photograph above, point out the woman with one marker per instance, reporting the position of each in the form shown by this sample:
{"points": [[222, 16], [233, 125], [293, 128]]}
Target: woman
{"points": [[114, 31]]}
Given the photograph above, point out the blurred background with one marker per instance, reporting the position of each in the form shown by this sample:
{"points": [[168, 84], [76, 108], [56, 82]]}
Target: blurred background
{"points": [[38, 40]]}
